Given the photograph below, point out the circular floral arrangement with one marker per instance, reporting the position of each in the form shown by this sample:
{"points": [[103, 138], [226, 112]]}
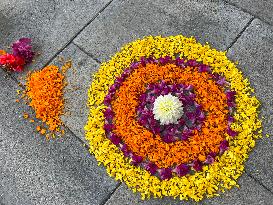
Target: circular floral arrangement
{"points": [[172, 117]]}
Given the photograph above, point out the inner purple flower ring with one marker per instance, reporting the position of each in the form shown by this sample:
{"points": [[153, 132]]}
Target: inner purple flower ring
{"points": [[192, 117]]}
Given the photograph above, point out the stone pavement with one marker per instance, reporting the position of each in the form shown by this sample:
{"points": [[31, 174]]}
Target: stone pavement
{"points": [[36, 171]]}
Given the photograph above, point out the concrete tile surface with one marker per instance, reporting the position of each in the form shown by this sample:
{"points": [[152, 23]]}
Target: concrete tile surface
{"points": [[250, 193], [254, 51], [61, 171], [36, 171], [79, 79], [125, 21], [260, 8], [51, 24]]}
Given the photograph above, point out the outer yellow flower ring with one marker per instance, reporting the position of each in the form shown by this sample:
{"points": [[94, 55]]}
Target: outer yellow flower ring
{"points": [[220, 175]]}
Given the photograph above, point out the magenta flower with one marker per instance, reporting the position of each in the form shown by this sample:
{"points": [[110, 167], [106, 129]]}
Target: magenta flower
{"points": [[143, 61], [165, 173], [125, 150], [168, 139], [231, 132], [151, 167], [108, 114], [210, 158], [23, 49], [192, 63], [136, 159], [230, 95], [204, 68], [164, 60], [108, 127], [197, 165], [230, 119], [182, 170], [179, 62], [115, 139], [223, 146], [107, 100], [134, 65]]}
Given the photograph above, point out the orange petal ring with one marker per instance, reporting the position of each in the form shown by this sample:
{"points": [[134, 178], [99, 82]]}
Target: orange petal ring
{"points": [[142, 142]]}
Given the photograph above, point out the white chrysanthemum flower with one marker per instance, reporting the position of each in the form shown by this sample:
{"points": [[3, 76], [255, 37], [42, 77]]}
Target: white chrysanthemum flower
{"points": [[167, 109]]}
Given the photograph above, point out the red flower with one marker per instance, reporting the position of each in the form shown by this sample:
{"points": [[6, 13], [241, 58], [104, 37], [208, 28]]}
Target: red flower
{"points": [[12, 62]]}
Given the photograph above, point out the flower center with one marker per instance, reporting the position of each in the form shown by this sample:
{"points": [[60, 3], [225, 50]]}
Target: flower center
{"points": [[167, 109]]}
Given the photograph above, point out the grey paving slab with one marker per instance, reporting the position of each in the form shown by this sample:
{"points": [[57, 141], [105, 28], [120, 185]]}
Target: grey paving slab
{"points": [[254, 51], [124, 21], [250, 193], [36, 171], [79, 78], [51, 24], [261, 8]]}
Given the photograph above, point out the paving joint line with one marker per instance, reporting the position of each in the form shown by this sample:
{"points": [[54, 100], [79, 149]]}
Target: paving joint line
{"points": [[248, 12], [258, 182], [84, 51], [87, 148], [75, 36], [240, 34], [109, 195]]}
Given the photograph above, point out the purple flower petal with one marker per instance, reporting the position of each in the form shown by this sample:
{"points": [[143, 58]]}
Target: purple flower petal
{"points": [[115, 139], [223, 146], [230, 119], [164, 60], [25, 40], [189, 87], [151, 87], [185, 136], [142, 97], [210, 159], [192, 63], [231, 132], [179, 61], [108, 113], [197, 165], [113, 88], [165, 91], [126, 73], [191, 95], [119, 80], [143, 120], [182, 170], [22, 48], [125, 150], [143, 61], [221, 81], [108, 127], [134, 65], [191, 116], [165, 173], [231, 104], [107, 100], [162, 84], [202, 116], [136, 159], [168, 139], [198, 127], [197, 111], [157, 90], [230, 95], [151, 167], [181, 121], [203, 68]]}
